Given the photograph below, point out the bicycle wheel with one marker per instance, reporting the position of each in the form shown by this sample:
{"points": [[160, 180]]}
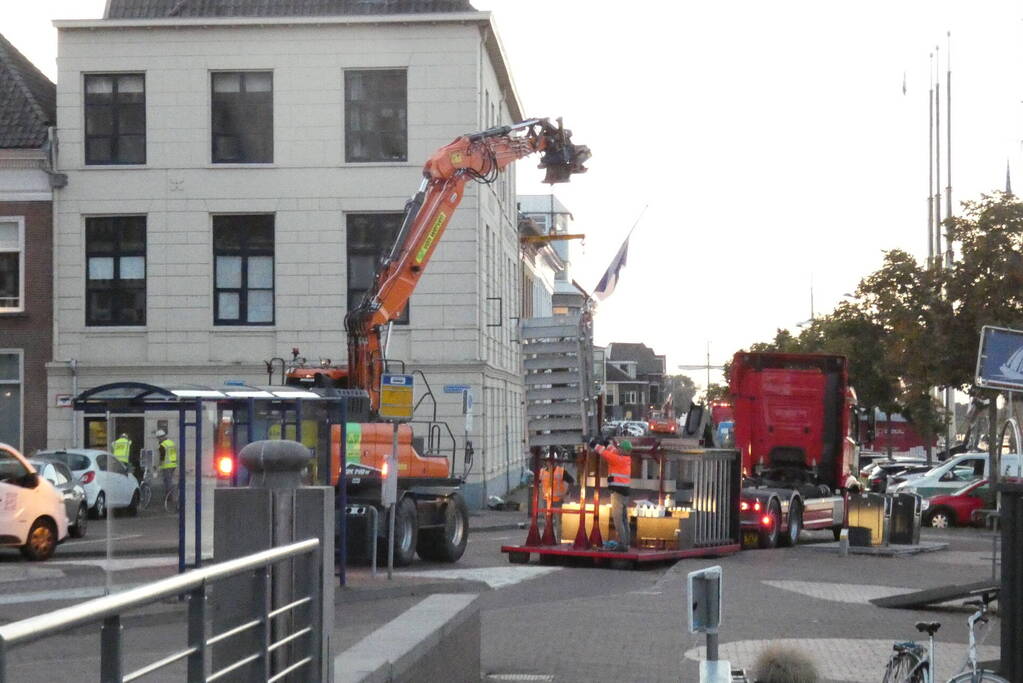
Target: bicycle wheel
{"points": [[145, 495], [170, 501], [983, 676], [902, 668]]}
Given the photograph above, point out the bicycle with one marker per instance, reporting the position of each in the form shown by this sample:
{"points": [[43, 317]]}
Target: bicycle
{"points": [[146, 488], [170, 499], [913, 663]]}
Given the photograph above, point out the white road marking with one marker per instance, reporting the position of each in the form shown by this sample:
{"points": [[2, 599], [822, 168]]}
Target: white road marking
{"points": [[9, 573], [492, 538], [103, 540], [842, 659], [495, 577], [65, 594], [118, 564], [839, 592]]}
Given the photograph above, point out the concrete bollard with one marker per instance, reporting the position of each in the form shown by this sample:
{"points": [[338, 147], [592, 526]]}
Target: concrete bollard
{"points": [[274, 510], [843, 543]]}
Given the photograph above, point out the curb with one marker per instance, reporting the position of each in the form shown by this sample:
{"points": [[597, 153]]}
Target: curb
{"points": [[353, 594]]}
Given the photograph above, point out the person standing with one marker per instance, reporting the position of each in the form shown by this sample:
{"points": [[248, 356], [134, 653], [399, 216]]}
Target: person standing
{"points": [[554, 482], [619, 482], [168, 460], [122, 450]]}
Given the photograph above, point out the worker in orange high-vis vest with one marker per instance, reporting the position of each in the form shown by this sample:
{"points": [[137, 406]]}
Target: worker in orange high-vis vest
{"points": [[554, 482], [619, 482]]}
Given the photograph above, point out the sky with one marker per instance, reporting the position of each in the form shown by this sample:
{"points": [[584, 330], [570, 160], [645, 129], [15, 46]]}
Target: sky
{"points": [[771, 143]]}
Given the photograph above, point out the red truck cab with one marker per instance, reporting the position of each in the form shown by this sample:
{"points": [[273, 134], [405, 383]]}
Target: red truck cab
{"points": [[793, 420]]}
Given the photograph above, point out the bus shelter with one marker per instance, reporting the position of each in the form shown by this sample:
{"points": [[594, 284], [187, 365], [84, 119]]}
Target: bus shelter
{"points": [[222, 420]]}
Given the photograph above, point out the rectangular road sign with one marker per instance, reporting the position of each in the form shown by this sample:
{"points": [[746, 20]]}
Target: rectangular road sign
{"points": [[456, 388], [1000, 359], [397, 397]]}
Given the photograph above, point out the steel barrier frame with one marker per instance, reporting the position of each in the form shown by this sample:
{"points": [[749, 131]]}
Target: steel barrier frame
{"points": [[109, 609]]}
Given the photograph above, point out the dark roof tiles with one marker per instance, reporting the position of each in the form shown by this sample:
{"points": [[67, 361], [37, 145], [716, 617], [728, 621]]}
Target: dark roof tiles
{"points": [[28, 100], [647, 362], [158, 9]]}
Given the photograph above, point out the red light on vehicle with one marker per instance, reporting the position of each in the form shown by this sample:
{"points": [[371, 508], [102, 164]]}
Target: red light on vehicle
{"points": [[756, 506], [383, 470], [766, 520], [88, 477], [225, 466], [744, 506]]}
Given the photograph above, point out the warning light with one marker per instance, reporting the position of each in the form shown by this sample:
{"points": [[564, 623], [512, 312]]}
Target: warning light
{"points": [[384, 469], [225, 466], [766, 520], [756, 506]]}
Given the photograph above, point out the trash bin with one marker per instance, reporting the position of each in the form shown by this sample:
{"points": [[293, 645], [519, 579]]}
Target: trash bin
{"points": [[905, 519], [868, 511]]}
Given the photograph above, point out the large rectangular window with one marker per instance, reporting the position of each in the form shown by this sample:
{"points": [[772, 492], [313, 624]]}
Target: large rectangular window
{"points": [[370, 238], [376, 106], [12, 265], [10, 397], [243, 256], [243, 117], [115, 119], [115, 255]]}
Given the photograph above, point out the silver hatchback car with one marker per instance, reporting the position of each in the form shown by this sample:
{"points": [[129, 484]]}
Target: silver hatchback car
{"points": [[71, 491]]}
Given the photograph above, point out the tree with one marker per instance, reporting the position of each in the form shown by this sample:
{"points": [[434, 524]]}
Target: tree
{"points": [[682, 390]]}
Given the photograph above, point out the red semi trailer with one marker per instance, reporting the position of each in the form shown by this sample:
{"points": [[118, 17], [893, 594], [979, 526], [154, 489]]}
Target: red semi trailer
{"points": [[795, 429]]}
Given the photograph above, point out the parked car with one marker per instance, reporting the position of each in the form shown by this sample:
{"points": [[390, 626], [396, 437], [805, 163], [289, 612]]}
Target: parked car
{"points": [[879, 474], [907, 474], [32, 516], [75, 505], [958, 508], [108, 484], [956, 472]]}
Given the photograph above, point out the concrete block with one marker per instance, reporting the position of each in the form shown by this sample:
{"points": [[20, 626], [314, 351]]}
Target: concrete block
{"points": [[438, 639]]}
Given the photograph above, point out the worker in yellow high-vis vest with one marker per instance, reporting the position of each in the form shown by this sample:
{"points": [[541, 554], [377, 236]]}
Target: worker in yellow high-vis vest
{"points": [[122, 449], [168, 459]]}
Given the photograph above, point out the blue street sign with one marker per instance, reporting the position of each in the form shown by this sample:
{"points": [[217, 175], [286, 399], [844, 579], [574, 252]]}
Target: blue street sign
{"points": [[1000, 359], [397, 380], [456, 388]]}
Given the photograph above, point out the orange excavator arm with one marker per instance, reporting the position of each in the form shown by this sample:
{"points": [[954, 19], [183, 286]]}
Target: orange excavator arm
{"points": [[480, 157]]}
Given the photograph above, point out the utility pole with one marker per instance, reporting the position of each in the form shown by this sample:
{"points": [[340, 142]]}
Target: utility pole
{"points": [[930, 168], [950, 404], [706, 366]]}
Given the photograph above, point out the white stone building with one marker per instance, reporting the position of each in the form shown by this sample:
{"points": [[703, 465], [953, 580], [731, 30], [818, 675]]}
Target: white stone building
{"points": [[231, 180]]}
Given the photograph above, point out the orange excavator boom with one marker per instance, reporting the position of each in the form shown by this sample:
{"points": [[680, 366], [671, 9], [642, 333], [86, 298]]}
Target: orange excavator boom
{"points": [[480, 157]]}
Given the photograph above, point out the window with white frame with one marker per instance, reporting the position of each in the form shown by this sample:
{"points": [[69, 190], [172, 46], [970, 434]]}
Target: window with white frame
{"points": [[12, 264], [243, 117], [10, 396], [629, 398], [115, 254]]}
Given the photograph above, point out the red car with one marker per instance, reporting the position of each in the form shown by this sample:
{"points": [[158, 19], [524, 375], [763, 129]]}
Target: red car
{"points": [[957, 508]]}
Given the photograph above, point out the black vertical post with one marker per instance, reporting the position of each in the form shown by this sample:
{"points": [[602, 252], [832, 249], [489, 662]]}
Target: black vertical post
{"points": [[182, 459], [1010, 599], [342, 497], [198, 482]]}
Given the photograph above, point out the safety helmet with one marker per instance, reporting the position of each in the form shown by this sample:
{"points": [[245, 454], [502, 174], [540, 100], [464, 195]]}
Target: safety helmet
{"points": [[160, 433], [626, 446]]}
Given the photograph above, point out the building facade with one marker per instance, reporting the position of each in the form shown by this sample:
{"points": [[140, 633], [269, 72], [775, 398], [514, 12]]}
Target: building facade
{"points": [[233, 181], [635, 381], [27, 115]]}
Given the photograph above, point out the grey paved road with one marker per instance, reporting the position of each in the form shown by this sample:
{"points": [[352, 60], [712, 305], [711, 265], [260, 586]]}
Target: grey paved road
{"points": [[559, 624]]}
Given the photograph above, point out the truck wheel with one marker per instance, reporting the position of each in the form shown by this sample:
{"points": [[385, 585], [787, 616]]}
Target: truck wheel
{"points": [[406, 532], [791, 538], [446, 543], [769, 534]]}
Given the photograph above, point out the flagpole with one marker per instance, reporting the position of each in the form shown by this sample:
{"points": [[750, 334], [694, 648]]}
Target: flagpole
{"points": [[643, 211], [930, 168], [937, 160], [948, 146]]}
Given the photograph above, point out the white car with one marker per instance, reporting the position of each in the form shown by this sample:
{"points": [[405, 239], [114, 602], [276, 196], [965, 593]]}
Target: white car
{"points": [[108, 484], [32, 515]]}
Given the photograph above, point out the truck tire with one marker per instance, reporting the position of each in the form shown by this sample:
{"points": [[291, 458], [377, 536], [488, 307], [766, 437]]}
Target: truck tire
{"points": [[406, 534], [791, 537], [446, 543], [769, 535]]}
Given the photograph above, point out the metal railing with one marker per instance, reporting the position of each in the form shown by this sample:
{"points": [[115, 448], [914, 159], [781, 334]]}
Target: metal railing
{"points": [[109, 609]]}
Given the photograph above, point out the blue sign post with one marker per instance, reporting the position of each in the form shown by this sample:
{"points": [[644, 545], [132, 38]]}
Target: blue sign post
{"points": [[1000, 359]]}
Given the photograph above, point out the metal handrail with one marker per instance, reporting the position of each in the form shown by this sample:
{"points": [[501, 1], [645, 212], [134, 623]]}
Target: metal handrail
{"points": [[34, 628]]}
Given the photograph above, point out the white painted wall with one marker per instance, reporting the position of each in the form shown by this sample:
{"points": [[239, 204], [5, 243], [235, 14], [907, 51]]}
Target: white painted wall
{"points": [[452, 89]]}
